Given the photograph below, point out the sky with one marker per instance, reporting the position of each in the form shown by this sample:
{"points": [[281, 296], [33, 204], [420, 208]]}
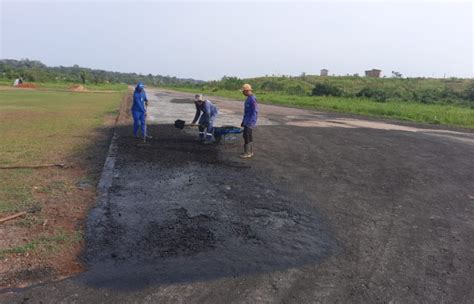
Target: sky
{"points": [[209, 40]]}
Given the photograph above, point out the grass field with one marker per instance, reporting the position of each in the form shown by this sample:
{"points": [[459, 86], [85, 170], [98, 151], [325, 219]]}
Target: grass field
{"points": [[443, 114], [40, 127], [48, 126], [33, 122]]}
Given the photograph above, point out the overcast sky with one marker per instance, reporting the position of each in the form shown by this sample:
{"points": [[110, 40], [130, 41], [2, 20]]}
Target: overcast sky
{"points": [[207, 40]]}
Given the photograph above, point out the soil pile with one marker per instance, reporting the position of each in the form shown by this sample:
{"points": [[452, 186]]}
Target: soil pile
{"points": [[27, 85], [77, 88]]}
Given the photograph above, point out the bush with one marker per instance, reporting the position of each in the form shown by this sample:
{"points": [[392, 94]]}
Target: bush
{"points": [[271, 86], [230, 83], [469, 93], [325, 89], [377, 94], [296, 90], [427, 96]]}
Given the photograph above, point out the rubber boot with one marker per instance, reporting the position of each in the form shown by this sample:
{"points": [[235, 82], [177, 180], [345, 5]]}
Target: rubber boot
{"points": [[246, 153], [209, 139], [202, 137], [251, 149]]}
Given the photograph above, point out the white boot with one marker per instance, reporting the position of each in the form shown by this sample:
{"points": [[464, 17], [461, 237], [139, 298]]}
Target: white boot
{"points": [[209, 138]]}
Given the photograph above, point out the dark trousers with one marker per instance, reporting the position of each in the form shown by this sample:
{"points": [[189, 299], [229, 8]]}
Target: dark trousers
{"points": [[248, 137]]}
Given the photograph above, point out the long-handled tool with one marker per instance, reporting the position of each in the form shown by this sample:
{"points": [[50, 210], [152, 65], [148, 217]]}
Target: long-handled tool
{"points": [[33, 209], [145, 129]]}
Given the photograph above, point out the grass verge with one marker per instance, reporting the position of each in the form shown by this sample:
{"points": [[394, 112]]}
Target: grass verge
{"points": [[47, 126]]}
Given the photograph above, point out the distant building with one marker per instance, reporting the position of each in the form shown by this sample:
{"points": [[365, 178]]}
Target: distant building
{"points": [[374, 73], [324, 72]]}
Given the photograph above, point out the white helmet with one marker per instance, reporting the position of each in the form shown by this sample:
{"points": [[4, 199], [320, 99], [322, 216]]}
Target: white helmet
{"points": [[199, 97]]}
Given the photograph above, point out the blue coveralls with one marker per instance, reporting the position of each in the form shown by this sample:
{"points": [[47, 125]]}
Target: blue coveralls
{"points": [[249, 120], [139, 110], [207, 119]]}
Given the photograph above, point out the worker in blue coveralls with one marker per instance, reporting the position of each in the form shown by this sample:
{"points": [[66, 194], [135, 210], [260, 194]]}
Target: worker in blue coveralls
{"points": [[249, 122], [206, 112], [139, 107]]}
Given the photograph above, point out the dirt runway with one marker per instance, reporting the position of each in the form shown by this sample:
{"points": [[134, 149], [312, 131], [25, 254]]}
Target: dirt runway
{"points": [[332, 209]]}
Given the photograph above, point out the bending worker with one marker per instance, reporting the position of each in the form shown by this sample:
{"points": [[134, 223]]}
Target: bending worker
{"points": [[206, 112], [249, 122], [140, 103]]}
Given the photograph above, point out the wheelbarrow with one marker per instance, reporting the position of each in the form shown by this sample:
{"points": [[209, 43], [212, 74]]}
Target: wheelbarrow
{"points": [[226, 132]]}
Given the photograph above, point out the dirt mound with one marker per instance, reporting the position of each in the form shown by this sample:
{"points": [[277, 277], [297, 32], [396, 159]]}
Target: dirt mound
{"points": [[77, 88], [27, 85]]}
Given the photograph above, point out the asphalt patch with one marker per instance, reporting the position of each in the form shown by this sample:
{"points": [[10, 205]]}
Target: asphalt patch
{"points": [[178, 212]]}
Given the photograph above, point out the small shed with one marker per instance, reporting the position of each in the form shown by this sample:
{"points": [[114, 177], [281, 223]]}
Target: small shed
{"points": [[374, 73]]}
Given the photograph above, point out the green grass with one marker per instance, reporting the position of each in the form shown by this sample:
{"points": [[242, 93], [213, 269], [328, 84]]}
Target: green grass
{"points": [[37, 125], [45, 243], [15, 192], [45, 126], [443, 114], [423, 90]]}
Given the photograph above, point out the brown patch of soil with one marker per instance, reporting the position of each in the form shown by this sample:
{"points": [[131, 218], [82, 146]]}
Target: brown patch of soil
{"points": [[77, 88], [26, 85]]}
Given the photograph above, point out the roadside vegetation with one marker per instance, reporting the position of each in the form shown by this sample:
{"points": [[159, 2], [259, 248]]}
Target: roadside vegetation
{"points": [[47, 126], [435, 101], [35, 71]]}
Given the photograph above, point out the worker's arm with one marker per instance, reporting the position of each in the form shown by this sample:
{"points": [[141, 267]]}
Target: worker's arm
{"points": [[198, 113], [145, 99], [253, 112]]}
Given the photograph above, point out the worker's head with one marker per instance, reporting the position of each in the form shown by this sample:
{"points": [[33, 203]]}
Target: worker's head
{"points": [[140, 86], [199, 98], [247, 89]]}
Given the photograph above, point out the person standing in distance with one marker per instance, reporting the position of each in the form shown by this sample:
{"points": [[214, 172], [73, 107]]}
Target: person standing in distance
{"points": [[139, 107], [249, 122]]}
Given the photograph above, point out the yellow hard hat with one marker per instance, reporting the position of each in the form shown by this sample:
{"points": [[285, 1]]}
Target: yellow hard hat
{"points": [[246, 87]]}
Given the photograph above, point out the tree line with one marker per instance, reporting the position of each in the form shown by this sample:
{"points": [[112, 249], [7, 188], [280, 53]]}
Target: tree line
{"points": [[36, 71]]}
